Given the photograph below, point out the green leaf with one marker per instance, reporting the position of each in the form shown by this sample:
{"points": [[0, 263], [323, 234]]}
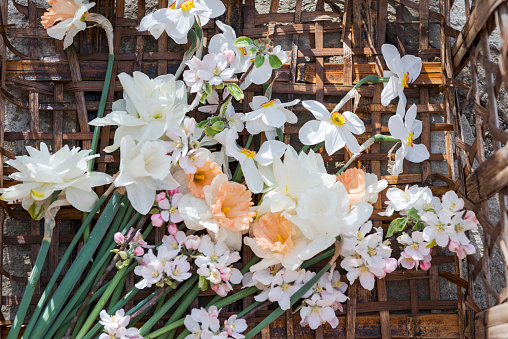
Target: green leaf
{"points": [[252, 51], [397, 225], [208, 88], [431, 210], [203, 123], [274, 61], [214, 119], [243, 41], [198, 29], [218, 126], [210, 131], [203, 283], [235, 91], [193, 38], [431, 244], [224, 107], [419, 226], [413, 213], [280, 134], [259, 60], [219, 86]]}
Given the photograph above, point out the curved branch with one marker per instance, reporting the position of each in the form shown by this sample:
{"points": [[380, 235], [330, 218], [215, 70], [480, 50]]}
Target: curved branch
{"points": [[6, 40]]}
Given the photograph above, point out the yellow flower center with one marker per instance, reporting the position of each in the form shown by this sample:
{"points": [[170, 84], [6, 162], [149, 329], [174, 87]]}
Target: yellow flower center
{"points": [[216, 71], [273, 269], [248, 152], [155, 274], [410, 137], [199, 177], [268, 104], [147, 161], [372, 252], [338, 118], [405, 80], [226, 210], [459, 228], [186, 5], [281, 239], [243, 51], [415, 246], [173, 5]]}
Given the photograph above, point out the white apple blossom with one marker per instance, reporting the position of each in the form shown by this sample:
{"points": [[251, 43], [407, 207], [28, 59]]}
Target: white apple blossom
{"points": [[402, 72], [178, 269], [43, 173], [318, 311], [167, 209], [260, 75], [415, 245], [112, 323], [268, 115], [151, 270], [226, 41], [179, 17], [436, 229], [70, 14], [217, 67], [148, 108], [427, 202], [399, 200], [284, 285], [335, 129], [457, 228], [234, 327], [461, 250], [191, 76], [407, 131], [452, 202], [144, 168]]}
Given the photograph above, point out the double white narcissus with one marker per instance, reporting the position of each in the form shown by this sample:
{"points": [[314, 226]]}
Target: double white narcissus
{"points": [[43, 173], [148, 108], [407, 131], [268, 115], [144, 169], [71, 14], [335, 129], [179, 17], [403, 71]]}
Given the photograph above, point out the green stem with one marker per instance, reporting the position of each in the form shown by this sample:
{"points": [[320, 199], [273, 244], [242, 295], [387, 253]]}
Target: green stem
{"points": [[165, 329], [318, 146], [102, 106], [100, 304], [184, 304], [280, 134], [30, 288]]}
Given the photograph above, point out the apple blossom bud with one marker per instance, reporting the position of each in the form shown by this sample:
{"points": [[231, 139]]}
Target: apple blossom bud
{"points": [[157, 220], [119, 238], [390, 265], [425, 265], [160, 196], [230, 55], [172, 229], [139, 251], [192, 242], [173, 192]]}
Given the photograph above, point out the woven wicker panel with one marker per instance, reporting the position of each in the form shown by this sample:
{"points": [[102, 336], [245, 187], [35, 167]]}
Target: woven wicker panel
{"points": [[331, 46]]}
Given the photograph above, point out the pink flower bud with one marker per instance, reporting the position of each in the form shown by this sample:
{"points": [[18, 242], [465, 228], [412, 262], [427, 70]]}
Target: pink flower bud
{"points": [[172, 229], [192, 242], [119, 238], [390, 265], [161, 196], [173, 192], [425, 265], [139, 251], [230, 56], [157, 220], [470, 215]]}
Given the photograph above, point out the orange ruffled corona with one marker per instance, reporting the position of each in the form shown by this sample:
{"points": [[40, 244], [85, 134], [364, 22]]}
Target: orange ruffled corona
{"points": [[354, 182], [231, 209], [274, 232], [60, 10], [203, 177]]}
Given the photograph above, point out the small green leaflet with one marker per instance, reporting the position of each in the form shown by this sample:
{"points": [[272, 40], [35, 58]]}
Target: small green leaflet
{"points": [[235, 91], [259, 60], [274, 61], [243, 41], [397, 225]]}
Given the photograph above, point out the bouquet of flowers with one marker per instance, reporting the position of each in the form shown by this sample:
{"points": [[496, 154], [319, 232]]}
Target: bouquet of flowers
{"points": [[215, 196]]}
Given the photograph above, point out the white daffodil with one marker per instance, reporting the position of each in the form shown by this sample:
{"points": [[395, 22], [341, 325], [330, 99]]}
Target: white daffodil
{"points": [[144, 169], [43, 173], [260, 75], [250, 160], [148, 109], [71, 15], [296, 175], [179, 17], [323, 214], [268, 115], [407, 131], [226, 41], [335, 129], [402, 72]]}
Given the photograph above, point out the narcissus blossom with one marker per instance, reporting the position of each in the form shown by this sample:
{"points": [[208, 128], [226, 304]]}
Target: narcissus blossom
{"points": [[179, 17], [260, 75], [267, 115], [43, 173], [226, 41], [407, 131], [203, 177], [403, 71], [71, 14], [335, 129], [361, 186]]}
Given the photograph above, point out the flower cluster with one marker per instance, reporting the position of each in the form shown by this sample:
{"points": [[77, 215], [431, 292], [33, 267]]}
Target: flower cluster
{"points": [[215, 266], [204, 324], [115, 326], [367, 256], [166, 208], [168, 267], [134, 249], [327, 296]]}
